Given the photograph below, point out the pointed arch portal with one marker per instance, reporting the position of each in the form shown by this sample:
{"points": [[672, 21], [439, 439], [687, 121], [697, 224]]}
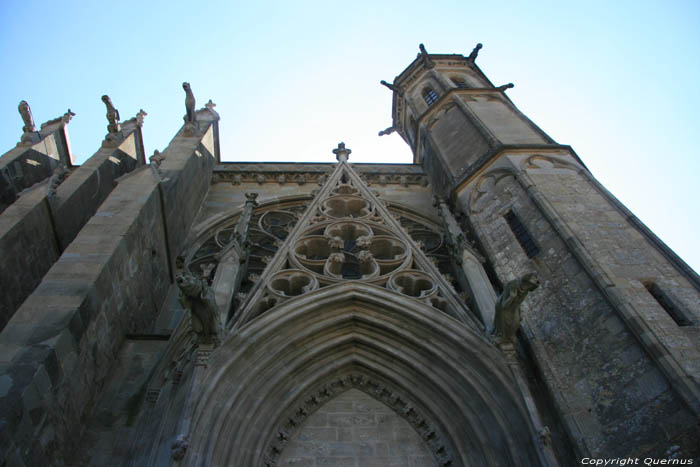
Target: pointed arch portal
{"points": [[446, 380]]}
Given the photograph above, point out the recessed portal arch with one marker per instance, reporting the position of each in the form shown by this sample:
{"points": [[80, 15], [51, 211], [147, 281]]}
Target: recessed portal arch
{"points": [[448, 381]]}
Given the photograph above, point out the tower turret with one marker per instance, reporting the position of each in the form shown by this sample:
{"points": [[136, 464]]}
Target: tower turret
{"points": [[611, 294], [454, 118]]}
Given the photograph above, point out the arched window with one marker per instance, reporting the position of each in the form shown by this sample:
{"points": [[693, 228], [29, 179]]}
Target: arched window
{"points": [[459, 82], [430, 96]]}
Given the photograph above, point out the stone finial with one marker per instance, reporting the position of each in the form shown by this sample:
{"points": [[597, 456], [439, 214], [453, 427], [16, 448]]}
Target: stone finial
{"points": [[67, 117], [27, 118], [155, 160], [427, 62], [341, 153], [140, 117], [62, 120], [112, 115], [396, 89], [210, 105], [507, 318], [472, 56]]}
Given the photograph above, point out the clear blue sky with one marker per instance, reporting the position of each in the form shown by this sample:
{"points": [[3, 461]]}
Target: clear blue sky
{"points": [[615, 79]]}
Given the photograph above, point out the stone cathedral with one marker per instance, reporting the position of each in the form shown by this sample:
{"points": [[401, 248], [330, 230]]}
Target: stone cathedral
{"points": [[490, 304]]}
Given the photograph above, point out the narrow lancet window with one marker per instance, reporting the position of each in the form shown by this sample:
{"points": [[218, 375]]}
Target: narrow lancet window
{"points": [[521, 234], [673, 310]]}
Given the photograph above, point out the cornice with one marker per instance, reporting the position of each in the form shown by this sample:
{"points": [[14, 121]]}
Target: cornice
{"points": [[301, 174]]}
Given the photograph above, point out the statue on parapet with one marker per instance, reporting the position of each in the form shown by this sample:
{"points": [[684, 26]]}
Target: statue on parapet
{"points": [[191, 114], [29, 127], [27, 118], [112, 116], [507, 319], [197, 298], [427, 62]]}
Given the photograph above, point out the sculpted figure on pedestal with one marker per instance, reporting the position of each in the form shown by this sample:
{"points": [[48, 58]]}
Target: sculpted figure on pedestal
{"points": [[507, 319], [190, 117], [112, 115], [27, 118], [198, 299]]}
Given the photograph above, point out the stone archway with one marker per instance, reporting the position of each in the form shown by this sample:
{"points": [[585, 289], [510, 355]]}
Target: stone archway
{"points": [[445, 379]]}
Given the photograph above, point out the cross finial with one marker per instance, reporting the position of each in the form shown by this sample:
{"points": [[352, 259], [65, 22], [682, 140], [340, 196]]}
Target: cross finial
{"points": [[341, 153]]}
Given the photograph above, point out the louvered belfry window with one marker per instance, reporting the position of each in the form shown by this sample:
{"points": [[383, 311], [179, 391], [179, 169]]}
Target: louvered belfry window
{"points": [[430, 96]]}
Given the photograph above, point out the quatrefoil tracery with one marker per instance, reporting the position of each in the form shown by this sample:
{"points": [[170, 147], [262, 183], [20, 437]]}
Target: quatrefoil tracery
{"points": [[350, 249]]}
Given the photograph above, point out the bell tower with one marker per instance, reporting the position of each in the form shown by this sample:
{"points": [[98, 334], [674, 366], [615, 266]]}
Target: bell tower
{"points": [[612, 329], [453, 117]]}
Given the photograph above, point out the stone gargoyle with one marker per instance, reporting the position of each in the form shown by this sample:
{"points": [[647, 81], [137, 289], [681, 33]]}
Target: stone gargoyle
{"points": [[198, 299], [507, 318]]}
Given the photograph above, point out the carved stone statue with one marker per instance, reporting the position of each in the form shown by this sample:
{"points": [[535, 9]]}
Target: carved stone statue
{"points": [[199, 300], [27, 118], [427, 61], [190, 116], [112, 115], [507, 319]]}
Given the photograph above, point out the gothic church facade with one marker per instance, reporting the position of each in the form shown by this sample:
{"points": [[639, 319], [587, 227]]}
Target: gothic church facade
{"points": [[489, 304]]}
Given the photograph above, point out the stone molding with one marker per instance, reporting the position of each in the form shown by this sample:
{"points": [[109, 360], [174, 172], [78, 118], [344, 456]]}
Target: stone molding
{"points": [[452, 377], [399, 403], [302, 177]]}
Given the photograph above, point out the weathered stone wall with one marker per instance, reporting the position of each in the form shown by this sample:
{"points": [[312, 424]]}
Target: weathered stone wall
{"points": [[28, 248], [36, 229], [355, 430], [501, 118], [613, 396], [88, 186], [59, 348], [458, 141]]}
